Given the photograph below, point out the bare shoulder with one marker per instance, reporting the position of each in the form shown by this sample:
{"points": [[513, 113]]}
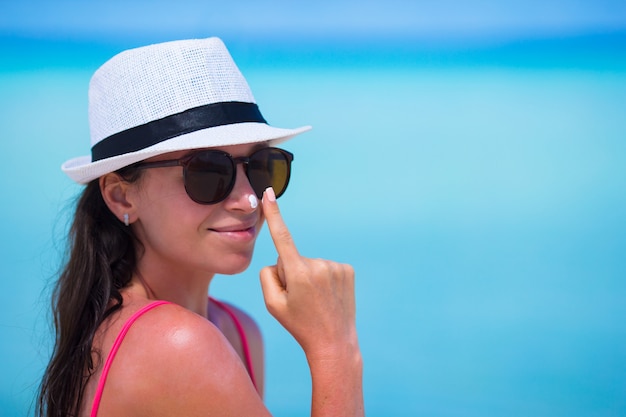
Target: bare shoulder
{"points": [[175, 362]]}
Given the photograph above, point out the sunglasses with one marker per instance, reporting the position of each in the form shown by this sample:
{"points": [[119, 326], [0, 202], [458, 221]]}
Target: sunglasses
{"points": [[210, 175]]}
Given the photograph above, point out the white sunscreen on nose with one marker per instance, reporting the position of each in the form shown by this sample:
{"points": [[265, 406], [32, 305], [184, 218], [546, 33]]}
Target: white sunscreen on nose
{"points": [[253, 201]]}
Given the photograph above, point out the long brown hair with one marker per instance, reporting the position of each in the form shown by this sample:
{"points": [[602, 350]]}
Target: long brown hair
{"points": [[101, 262]]}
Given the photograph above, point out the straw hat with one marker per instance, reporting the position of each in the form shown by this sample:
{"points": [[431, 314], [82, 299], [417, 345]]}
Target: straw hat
{"points": [[169, 97]]}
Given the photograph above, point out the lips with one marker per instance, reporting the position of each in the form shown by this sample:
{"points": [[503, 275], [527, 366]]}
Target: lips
{"points": [[234, 228], [237, 231], [235, 234]]}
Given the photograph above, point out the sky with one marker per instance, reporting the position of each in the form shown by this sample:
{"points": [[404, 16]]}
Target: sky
{"points": [[423, 19]]}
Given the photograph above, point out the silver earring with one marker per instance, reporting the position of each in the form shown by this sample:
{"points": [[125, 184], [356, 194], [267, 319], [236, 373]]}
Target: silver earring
{"points": [[126, 219]]}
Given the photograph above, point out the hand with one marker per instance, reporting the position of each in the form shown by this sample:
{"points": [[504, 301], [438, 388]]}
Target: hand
{"points": [[312, 298]]}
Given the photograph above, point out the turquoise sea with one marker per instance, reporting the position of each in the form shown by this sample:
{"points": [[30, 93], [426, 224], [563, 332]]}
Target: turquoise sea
{"points": [[478, 192]]}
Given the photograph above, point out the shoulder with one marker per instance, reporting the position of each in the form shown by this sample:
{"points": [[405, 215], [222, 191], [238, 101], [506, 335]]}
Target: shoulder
{"points": [[178, 362], [169, 317], [170, 336], [173, 332]]}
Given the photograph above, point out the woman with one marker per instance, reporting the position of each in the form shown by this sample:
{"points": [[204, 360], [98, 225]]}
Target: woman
{"points": [[182, 174]]}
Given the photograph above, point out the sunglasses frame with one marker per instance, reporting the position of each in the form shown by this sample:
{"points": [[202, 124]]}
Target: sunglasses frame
{"points": [[186, 160]]}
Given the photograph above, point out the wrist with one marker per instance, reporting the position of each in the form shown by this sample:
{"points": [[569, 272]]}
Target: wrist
{"points": [[337, 377], [337, 355]]}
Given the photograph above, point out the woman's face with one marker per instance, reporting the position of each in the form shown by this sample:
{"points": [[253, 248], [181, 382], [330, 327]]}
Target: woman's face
{"points": [[181, 236]]}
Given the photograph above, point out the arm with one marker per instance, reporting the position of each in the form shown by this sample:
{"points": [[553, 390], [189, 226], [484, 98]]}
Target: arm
{"points": [[314, 300]]}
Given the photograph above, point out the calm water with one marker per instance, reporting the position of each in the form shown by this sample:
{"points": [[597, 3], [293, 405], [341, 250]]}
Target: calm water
{"points": [[482, 206]]}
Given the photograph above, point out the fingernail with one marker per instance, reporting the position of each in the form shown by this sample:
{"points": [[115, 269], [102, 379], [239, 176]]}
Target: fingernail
{"points": [[269, 193]]}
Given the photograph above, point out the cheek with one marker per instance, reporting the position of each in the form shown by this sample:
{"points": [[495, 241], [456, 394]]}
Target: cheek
{"points": [[173, 232], [164, 205]]}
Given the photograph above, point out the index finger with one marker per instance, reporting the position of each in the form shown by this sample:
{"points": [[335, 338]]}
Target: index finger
{"points": [[281, 236]]}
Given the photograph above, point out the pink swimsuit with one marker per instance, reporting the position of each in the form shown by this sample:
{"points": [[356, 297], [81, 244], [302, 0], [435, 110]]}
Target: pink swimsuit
{"points": [[142, 311]]}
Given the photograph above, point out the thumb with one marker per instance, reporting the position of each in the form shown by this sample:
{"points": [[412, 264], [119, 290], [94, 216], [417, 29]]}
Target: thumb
{"points": [[273, 289]]}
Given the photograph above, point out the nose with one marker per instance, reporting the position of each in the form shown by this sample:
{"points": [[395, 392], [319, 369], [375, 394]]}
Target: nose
{"points": [[242, 197]]}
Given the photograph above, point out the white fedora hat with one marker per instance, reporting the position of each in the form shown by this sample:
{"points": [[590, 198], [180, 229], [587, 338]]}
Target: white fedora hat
{"points": [[168, 97]]}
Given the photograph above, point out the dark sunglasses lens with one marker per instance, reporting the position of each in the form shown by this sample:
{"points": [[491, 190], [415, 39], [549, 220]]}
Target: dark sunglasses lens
{"points": [[269, 167], [209, 177]]}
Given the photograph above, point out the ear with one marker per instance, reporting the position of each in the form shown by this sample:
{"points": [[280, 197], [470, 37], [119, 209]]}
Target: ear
{"points": [[118, 196]]}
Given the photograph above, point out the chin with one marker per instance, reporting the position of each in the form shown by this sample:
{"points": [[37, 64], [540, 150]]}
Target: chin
{"points": [[235, 266]]}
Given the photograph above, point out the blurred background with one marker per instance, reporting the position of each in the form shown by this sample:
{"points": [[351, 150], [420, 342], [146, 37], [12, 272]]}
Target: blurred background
{"points": [[468, 158]]}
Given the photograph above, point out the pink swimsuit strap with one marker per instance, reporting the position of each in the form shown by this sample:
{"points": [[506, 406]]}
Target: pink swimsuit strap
{"points": [[242, 336], [115, 348], [142, 311]]}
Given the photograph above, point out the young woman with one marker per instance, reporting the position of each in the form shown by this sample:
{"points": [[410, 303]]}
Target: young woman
{"points": [[183, 173]]}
